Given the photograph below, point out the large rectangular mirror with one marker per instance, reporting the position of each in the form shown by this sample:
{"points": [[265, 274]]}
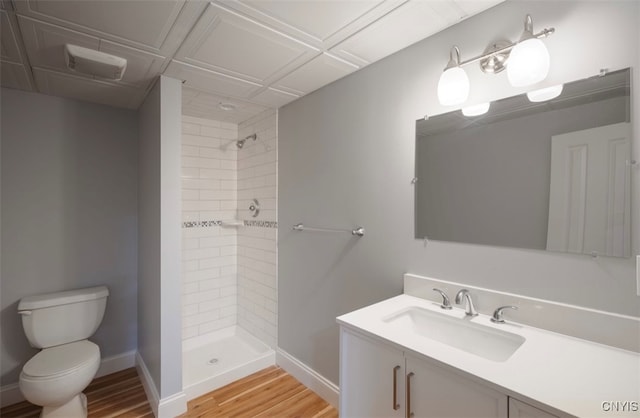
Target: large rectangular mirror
{"points": [[552, 175]]}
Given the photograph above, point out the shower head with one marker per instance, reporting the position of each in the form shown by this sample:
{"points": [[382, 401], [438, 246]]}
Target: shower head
{"points": [[240, 142]]}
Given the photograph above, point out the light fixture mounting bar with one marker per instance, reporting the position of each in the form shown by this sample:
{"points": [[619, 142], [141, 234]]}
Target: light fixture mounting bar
{"points": [[542, 34]]}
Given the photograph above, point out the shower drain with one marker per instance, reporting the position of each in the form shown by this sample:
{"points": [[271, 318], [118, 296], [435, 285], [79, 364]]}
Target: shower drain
{"points": [[212, 361]]}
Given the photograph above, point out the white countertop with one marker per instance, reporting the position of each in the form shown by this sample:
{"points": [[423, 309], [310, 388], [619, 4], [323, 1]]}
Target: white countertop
{"points": [[568, 374]]}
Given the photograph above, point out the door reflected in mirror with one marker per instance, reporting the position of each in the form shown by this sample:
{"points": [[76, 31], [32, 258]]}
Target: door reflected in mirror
{"points": [[551, 175]]}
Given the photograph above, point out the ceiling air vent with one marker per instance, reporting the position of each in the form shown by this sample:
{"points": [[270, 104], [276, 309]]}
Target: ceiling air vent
{"points": [[95, 63]]}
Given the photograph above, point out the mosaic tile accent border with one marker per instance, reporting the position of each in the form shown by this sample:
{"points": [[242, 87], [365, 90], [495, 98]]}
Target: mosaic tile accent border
{"points": [[261, 224], [196, 224], [206, 224]]}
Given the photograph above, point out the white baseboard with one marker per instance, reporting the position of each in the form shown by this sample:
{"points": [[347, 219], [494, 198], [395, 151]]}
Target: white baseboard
{"points": [[172, 406], [148, 384], [116, 363], [10, 394], [309, 377], [168, 407]]}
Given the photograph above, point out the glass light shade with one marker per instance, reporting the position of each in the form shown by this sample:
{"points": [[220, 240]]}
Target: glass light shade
{"points": [[453, 87], [545, 94], [528, 63], [476, 110]]}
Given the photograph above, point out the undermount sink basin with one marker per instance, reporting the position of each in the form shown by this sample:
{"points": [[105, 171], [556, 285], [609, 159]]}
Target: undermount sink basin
{"points": [[483, 341]]}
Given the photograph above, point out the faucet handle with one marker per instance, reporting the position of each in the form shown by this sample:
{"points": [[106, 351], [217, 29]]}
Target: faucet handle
{"points": [[497, 314], [446, 303]]}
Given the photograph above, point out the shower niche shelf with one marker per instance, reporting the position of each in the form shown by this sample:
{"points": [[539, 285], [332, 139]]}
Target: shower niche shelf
{"points": [[231, 224]]}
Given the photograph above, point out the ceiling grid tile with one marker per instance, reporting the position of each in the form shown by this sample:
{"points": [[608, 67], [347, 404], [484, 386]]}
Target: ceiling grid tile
{"points": [[158, 29], [228, 43], [252, 54]]}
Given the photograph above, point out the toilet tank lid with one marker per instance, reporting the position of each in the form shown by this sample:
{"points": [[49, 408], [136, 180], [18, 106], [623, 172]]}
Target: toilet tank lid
{"points": [[62, 298]]}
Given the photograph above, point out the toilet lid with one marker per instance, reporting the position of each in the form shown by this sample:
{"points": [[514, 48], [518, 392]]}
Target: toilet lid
{"points": [[62, 359]]}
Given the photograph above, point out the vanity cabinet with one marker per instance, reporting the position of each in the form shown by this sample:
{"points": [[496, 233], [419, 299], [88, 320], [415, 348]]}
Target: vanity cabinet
{"points": [[518, 409], [377, 380], [436, 392], [445, 364], [372, 378]]}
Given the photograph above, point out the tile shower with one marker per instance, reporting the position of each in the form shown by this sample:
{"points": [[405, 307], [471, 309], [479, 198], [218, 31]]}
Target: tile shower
{"points": [[229, 293]]}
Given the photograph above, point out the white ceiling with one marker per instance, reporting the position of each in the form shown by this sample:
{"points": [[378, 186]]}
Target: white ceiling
{"points": [[253, 54]]}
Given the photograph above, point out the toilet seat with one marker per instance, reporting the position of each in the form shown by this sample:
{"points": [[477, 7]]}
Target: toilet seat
{"points": [[58, 361]]}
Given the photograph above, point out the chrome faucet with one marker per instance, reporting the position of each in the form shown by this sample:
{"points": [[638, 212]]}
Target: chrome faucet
{"points": [[497, 314], [446, 304], [470, 310]]}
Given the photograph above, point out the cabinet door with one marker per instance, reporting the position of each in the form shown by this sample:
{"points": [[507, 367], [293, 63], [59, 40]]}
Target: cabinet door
{"points": [[518, 409], [367, 373], [437, 392]]}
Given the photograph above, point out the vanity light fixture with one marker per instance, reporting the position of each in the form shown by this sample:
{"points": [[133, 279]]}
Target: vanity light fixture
{"points": [[547, 93], [476, 110], [529, 59], [527, 62], [453, 87]]}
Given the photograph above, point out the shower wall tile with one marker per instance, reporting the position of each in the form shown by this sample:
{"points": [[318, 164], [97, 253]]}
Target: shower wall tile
{"points": [[209, 275], [229, 274], [257, 247], [190, 129]]}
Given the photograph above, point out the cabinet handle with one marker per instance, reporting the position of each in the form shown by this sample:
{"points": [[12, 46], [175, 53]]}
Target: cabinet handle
{"points": [[396, 405], [409, 413]]}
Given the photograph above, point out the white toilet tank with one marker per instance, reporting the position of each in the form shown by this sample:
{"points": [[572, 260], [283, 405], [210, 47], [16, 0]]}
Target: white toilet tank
{"points": [[59, 318]]}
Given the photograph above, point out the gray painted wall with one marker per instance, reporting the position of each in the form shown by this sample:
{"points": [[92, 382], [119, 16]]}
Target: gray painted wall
{"points": [[149, 289], [346, 158], [69, 213], [171, 234], [159, 313]]}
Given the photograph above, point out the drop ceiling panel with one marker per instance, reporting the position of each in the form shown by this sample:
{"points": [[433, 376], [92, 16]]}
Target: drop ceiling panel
{"points": [[321, 71], [96, 91], [9, 49], [188, 94], [45, 43], [314, 21], [142, 67], [157, 25], [212, 100], [211, 81], [274, 98], [205, 105], [14, 76], [256, 52], [472, 7], [417, 19], [226, 42], [45, 47]]}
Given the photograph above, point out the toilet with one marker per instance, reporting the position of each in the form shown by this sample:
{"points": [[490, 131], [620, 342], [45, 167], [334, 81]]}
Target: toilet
{"points": [[59, 324]]}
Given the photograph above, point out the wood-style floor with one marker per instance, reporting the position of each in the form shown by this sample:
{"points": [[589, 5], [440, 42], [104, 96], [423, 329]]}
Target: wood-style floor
{"points": [[271, 392], [116, 395]]}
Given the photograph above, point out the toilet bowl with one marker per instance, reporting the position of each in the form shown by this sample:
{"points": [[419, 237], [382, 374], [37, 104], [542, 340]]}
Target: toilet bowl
{"points": [[60, 324], [56, 377]]}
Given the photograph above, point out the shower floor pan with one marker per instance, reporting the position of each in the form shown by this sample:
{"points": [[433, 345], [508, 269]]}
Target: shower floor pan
{"points": [[213, 360]]}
